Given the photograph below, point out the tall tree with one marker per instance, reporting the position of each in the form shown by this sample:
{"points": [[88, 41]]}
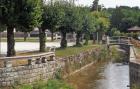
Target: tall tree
{"points": [[95, 5], [52, 19], [102, 23], [67, 24], [77, 24], [16, 13], [88, 27]]}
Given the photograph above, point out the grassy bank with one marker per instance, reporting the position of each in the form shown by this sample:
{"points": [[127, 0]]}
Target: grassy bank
{"points": [[74, 50], [51, 84], [65, 52]]}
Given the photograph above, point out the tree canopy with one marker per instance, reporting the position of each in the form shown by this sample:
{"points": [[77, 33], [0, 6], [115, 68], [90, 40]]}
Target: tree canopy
{"points": [[19, 14], [124, 17]]}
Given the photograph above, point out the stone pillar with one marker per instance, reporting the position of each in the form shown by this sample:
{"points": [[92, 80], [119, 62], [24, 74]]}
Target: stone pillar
{"points": [[38, 61], [52, 58], [7, 63], [43, 59], [31, 61]]}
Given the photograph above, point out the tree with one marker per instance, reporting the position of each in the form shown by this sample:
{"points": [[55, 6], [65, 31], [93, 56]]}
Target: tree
{"points": [[102, 23], [67, 24], [24, 13], [77, 23], [95, 5], [52, 19], [124, 17], [89, 24]]}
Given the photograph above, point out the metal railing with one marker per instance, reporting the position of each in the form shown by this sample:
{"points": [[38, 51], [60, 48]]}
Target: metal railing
{"points": [[117, 40]]}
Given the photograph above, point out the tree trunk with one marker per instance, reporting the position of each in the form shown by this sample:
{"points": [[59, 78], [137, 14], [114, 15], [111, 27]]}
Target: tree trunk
{"points": [[42, 40], [25, 36], [78, 39], [97, 37], [52, 39], [63, 40], [94, 38], [87, 37], [10, 42]]}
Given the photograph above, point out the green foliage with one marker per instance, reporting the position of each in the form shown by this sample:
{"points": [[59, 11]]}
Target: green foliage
{"points": [[53, 16], [124, 17], [72, 19], [23, 87], [102, 21], [89, 23], [51, 84], [21, 13], [2, 28], [115, 32], [103, 54], [55, 84], [116, 55], [58, 74], [73, 50]]}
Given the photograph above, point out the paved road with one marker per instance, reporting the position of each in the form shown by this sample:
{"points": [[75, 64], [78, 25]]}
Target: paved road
{"points": [[28, 46]]}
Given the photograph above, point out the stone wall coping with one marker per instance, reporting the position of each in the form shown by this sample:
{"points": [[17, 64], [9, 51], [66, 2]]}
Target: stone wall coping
{"points": [[48, 54], [135, 61]]}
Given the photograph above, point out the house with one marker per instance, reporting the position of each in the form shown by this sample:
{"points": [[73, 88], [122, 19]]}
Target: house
{"points": [[134, 29]]}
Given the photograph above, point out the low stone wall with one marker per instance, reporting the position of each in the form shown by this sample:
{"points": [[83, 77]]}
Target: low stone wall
{"points": [[75, 62], [27, 74], [30, 73], [134, 68]]}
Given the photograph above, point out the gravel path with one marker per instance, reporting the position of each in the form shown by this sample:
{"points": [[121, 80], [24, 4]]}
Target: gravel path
{"points": [[28, 46]]}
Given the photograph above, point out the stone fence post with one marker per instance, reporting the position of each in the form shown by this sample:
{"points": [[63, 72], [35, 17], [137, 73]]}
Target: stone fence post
{"points": [[7, 63], [52, 58], [31, 61]]}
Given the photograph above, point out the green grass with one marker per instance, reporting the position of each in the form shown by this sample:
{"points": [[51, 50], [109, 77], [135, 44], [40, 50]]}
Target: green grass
{"points": [[74, 50], [51, 84]]}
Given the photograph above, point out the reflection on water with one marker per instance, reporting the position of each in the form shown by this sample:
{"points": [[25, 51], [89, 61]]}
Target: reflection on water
{"points": [[102, 76]]}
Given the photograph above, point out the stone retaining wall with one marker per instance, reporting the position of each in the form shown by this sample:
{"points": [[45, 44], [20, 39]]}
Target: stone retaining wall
{"points": [[26, 74], [134, 68], [75, 62], [134, 73], [30, 73]]}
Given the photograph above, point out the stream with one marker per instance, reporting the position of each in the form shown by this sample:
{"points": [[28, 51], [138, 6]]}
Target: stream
{"points": [[104, 75]]}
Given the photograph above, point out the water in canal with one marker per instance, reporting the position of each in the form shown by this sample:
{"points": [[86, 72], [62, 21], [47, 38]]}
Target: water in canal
{"points": [[101, 76]]}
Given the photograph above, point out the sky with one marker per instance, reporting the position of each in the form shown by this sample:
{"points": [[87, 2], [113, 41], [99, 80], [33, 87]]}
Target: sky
{"points": [[111, 3]]}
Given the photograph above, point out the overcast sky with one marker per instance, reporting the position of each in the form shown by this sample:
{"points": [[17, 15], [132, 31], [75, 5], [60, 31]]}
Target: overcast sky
{"points": [[111, 3]]}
